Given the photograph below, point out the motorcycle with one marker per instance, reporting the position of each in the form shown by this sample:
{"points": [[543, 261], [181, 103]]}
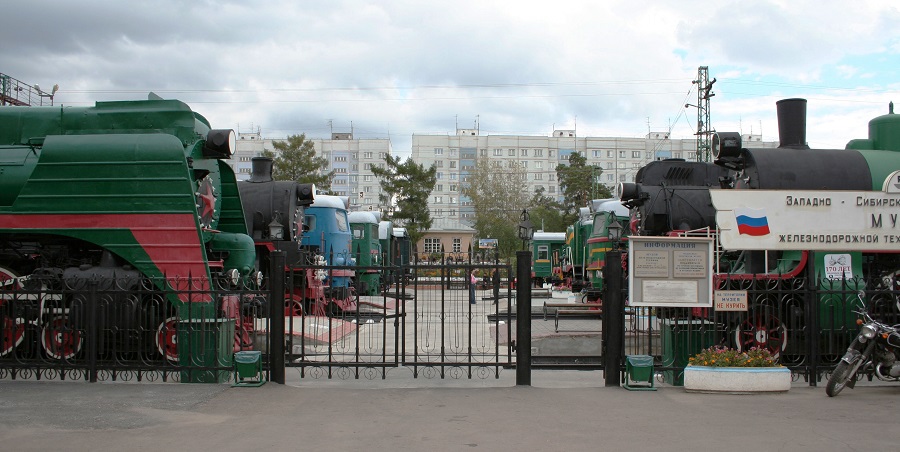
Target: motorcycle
{"points": [[876, 349]]}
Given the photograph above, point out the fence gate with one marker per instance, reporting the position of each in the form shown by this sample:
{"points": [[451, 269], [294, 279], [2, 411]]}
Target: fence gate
{"points": [[428, 320]]}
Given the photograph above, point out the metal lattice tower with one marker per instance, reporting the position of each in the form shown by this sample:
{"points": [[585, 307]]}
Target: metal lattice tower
{"points": [[704, 131], [18, 93]]}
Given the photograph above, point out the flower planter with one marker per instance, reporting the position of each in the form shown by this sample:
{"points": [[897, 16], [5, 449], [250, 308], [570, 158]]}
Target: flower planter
{"points": [[737, 380]]}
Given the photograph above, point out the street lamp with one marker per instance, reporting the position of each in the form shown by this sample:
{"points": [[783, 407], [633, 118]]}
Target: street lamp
{"points": [[43, 94], [614, 232], [526, 230]]}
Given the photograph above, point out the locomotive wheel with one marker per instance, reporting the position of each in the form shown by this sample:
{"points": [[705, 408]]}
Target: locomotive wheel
{"points": [[761, 329], [59, 340], [12, 332], [167, 339], [293, 305]]}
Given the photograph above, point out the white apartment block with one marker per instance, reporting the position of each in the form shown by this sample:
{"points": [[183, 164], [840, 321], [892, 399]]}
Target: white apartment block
{"points": [[618, 158], [350, 159]]}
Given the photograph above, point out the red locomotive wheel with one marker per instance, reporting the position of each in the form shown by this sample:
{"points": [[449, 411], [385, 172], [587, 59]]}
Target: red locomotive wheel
{"points": [[12, 332], [59, 340], [761, 329], [166, 339]]}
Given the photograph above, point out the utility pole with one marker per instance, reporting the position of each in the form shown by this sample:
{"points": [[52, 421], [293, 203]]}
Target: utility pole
{"points": [[704, 132]]}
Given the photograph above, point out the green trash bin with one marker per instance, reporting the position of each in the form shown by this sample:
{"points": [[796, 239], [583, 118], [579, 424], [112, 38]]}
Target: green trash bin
{"points": [[205, 350], [681, 339], [639, 373], [248, 369]]}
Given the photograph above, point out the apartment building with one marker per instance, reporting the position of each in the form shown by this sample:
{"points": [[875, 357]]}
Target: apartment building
{"points": [[618, 158], [351, 159]]}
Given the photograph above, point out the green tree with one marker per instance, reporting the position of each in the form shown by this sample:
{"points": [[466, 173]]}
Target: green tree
{"points": [[547, 213], [579, 184], [407, 185], [296, 160], [499, 194]]}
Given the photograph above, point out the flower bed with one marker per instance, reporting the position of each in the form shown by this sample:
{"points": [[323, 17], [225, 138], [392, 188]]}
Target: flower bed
{"points": [[721, 369]]}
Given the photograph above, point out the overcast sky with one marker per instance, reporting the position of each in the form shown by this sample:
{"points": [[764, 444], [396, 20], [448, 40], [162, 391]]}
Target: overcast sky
{"points": [[391, 69]]}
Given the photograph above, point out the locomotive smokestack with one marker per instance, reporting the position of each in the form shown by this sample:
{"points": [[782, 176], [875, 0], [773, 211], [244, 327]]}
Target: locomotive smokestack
{"points": [[792, 123], [261, 169]]}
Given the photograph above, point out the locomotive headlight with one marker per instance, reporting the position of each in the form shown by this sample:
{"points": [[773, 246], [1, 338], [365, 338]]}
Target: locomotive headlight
{"points": [[234, 276], [726, 144], [220, 143], [259, 279]]}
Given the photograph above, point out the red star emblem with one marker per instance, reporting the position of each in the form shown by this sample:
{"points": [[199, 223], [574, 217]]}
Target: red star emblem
{"points": [[207, 202]]}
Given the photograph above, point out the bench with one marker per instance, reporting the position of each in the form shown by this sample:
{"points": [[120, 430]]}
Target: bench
{"points": [[577, 314], [562, 305]]}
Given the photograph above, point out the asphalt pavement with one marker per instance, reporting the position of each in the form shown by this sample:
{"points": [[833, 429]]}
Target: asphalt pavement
{"points": [[561, 410]]}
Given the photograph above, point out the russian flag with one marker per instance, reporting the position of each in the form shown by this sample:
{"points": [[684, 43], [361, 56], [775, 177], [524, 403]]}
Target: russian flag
{"points": [[751, 221]]}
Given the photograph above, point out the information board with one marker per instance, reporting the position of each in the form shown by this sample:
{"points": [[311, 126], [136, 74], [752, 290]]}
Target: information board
{"points": [[670, 271]]}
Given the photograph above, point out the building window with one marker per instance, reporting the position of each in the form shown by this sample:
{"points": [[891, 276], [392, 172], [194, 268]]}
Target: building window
{"points": [[340, 159], [552, 189], [597, 154], [635, 154], [367, 166], [439, 187], [538, 152], [676, 155], [453, 187], [610, 154], [610, 177], [635, 165], [649, 155], [453, 200], [484, 152], [552, 177], [432, 245], [452, 164], [498, 152], [452, 152], [691, 155], [367, 155], [551, 153], [621, 178], [438, 199], [340, 170], [367, 178], [438, 151], [538, 176], [452, 176], [439, 163], [512, 153], [382, 155], [457, 244], [439, 175], [621, 154], [524, 153], [539, 165]]}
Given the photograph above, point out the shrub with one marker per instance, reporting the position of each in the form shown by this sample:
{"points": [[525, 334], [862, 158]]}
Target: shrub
{"points": [[721, 356]]}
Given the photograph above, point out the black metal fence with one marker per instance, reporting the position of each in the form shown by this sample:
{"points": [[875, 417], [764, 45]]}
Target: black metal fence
{"points": [[807, 323], [431, 322], [434, 322], [125, 328]]}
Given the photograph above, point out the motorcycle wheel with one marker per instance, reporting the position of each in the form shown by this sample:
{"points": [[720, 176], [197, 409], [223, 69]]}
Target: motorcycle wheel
{"points": [[838, 379]]}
